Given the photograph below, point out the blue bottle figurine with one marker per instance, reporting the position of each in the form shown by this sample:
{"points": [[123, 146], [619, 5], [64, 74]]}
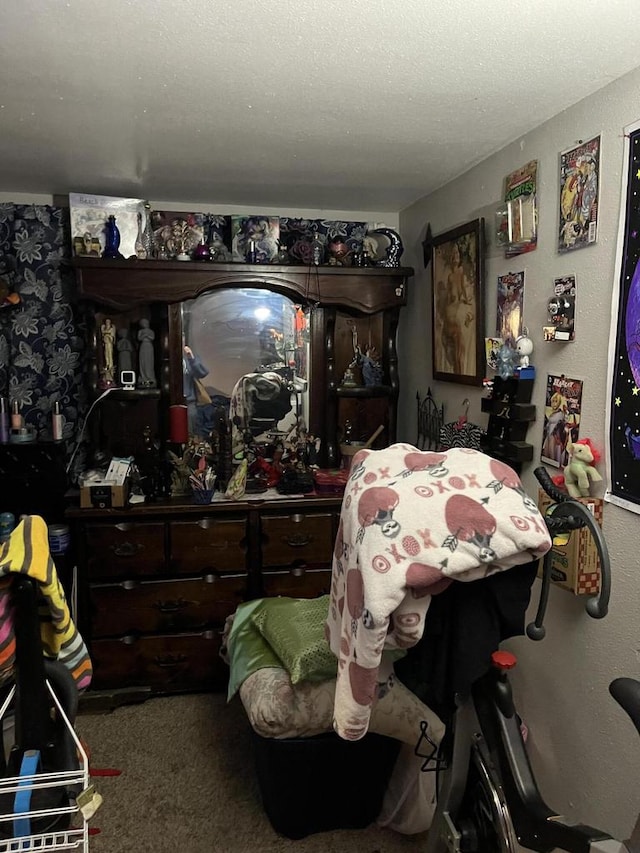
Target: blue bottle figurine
{"points": [[112, 244]]}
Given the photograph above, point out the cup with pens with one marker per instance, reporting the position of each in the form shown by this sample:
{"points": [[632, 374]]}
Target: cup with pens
{"points": [[202, 482]]}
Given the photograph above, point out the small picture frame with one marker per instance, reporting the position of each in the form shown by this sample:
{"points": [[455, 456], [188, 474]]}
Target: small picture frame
{"points": [[457, 260]]}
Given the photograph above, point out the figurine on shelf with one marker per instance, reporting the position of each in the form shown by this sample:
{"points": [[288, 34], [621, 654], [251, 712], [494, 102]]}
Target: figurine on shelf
{"points": [[581, 471], [524, 348], [507, 361], [125, 351], [146, 356], [371, 367], [108, 333]]}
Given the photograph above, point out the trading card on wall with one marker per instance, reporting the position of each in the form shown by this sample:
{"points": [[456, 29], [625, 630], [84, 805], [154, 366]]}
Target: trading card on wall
{"points": [[563, 403], [579, 191], [492, 348], [510, 306], [562, 308]]}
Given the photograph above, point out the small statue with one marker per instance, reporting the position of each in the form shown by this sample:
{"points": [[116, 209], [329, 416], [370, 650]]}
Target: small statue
{"points": [[125, 351], [146, 356], [507, 361], [108, 332]]}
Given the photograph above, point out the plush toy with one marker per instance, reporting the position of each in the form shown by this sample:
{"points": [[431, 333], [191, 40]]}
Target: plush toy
{"points": [[580, 472]]}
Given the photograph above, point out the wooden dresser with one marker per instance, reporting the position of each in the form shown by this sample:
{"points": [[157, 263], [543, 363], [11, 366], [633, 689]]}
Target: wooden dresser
{"points": [[158, 581]]}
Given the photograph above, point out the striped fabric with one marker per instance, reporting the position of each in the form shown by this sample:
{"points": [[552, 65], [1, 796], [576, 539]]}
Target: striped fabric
{"points": [[27, 552]]}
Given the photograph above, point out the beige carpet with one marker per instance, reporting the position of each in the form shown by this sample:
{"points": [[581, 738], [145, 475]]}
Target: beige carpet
{"points": [[188, 785]]}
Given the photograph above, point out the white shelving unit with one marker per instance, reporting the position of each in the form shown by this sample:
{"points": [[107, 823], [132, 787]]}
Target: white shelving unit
{"points": [[76, 835]]}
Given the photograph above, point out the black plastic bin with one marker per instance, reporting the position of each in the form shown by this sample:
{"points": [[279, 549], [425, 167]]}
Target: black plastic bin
{"points": [[323, 783]]}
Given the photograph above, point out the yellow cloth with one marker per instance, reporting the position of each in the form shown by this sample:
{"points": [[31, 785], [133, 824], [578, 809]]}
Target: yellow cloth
{"points": [[27, 552]]}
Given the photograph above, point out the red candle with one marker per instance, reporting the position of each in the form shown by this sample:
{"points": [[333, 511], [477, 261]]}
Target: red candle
{"points": [[178, 424]]}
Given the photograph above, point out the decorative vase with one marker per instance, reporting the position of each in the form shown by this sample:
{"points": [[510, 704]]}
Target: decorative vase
{"points": [[112, 245], [317, 250], [139, 248], [147, 235]]}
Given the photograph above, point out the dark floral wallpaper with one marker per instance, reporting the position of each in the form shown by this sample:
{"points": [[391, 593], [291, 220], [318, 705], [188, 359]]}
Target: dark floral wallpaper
{"points": [[41, 345]]}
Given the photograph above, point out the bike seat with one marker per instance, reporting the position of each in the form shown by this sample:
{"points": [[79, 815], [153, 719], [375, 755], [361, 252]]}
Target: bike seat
{"points": [[626, 692]]}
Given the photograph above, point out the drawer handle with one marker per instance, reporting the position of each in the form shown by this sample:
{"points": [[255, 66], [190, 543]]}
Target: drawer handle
{"points": [[298, 572], [298, 541], [169, 661], [171, 606], [126, 549]]}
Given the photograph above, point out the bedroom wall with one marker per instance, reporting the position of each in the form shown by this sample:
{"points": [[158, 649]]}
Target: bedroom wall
{"points": [[584, 750]]}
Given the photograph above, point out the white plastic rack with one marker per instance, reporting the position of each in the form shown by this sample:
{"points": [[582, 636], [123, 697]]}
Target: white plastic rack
{"points": [[76, 835]]}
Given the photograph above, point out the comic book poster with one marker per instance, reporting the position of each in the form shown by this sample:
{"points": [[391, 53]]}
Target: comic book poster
{"points": [[521, 210], [563, 400], [623, 405], [562, 309], [491, 349], [510, 306], [579, 190]]}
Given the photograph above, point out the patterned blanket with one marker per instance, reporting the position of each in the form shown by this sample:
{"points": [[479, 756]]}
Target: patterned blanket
{"points": [[411, 523], [27, 552]]}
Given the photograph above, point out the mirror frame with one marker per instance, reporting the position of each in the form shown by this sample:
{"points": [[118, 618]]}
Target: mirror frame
{"points": [[123, 285]]}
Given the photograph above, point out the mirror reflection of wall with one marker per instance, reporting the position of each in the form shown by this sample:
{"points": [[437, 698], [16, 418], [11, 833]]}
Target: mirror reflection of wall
{"points": [[232, 337]]}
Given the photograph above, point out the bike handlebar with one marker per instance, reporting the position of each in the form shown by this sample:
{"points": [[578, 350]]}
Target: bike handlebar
{"points": [[568, 514]]}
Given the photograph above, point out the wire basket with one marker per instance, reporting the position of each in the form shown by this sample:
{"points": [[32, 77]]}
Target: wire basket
{"points": [[75, 834]]}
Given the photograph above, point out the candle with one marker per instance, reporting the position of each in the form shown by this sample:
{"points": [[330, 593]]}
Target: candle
{"points": [[178, 424]]}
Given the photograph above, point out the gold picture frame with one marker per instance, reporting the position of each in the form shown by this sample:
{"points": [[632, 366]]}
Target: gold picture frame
{"points": [[457, 276]]}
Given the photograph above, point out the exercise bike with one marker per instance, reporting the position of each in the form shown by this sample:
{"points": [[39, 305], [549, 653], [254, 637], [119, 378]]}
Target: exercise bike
{"points": [[488, 800]]}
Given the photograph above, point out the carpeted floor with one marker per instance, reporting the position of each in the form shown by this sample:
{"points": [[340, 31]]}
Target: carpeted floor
{"points": [[188, 785]]}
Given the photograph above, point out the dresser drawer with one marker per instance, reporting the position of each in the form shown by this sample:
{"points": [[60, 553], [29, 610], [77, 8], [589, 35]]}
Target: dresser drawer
{"points": [[125, 549], [299, 539], [144, 607], [168, 663], [207, 545], [297, 583]]}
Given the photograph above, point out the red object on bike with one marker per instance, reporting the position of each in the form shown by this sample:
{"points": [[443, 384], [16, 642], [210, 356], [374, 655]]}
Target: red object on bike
{"points": [[503, 660]]}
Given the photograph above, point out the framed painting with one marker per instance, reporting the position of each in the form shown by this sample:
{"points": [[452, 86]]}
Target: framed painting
{"points": [[457, 260]]}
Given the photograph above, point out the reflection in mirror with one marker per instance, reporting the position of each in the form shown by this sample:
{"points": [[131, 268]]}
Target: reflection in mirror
{"points": [[245, 351]]}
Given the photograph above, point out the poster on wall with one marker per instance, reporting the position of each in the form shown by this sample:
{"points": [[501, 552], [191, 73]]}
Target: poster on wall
{"points": [[510, 305], [562, 409], [579, 189], [521, 210], [623, 405]]}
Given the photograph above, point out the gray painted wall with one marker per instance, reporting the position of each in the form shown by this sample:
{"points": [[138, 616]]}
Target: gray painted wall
{"points": [[585, 752]]}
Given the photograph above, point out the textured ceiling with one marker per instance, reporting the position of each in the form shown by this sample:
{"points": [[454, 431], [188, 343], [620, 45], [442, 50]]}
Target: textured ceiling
{"points": [[333, 105]]}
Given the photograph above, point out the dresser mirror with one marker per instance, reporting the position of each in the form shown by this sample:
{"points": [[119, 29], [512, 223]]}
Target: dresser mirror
{"points": [[245, 350]]}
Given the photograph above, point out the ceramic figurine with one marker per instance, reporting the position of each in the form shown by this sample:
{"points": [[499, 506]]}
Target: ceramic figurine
{"points": [[146, 356], [125, 351], [108, 334]]}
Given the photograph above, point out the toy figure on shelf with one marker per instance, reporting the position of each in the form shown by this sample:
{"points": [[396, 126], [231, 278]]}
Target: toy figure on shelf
{"points": [[580, 472], [524, 348], [507, 361]]}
